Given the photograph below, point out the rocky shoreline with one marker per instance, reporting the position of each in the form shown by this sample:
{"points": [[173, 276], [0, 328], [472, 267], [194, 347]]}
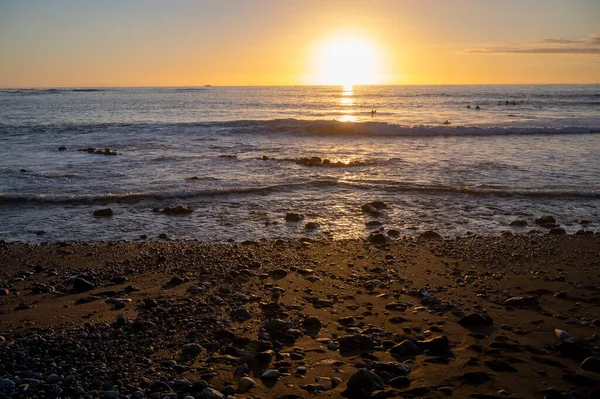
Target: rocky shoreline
{"points": [[472, 317]]}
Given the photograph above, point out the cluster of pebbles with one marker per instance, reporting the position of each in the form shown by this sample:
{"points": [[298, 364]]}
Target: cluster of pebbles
{"points": [[476, 317]]}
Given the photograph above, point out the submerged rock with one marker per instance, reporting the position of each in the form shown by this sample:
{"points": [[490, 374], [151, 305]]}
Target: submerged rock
{"points": [[518, 223], [544, 220], [177, 210], [293, 217], [103, 212]]}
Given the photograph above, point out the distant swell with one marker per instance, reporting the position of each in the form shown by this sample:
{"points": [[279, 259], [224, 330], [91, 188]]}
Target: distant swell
{"points": [[305, 186], [301, 127]]}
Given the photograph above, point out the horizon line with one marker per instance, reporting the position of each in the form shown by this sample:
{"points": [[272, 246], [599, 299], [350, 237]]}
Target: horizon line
{"points": [[287, 85]]}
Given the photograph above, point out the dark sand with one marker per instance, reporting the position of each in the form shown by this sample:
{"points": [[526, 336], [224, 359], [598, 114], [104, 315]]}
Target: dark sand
{"points": [[127, 335]]}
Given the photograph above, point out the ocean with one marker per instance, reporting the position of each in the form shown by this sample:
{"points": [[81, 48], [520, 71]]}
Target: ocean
{"points": [[453, 159]]}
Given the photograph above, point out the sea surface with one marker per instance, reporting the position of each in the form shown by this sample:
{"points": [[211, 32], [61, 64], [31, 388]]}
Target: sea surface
{"points": [[230, 154]]}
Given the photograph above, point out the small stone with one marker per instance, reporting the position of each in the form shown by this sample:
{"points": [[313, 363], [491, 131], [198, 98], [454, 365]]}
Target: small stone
{"points": [[23, 306], [355, 342], [563, 295], [270, 374], [557, 231], [246, 383], [192, 348], [210, 393], [82, 285], [476, 320], [446, 390], [364, 382], [241, 314], [311, 323], [406, 348], [519, 301], [400, 382]]}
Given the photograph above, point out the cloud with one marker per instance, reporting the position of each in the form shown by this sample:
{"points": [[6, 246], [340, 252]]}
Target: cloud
{"points": [[564, 50], [585, 45]]}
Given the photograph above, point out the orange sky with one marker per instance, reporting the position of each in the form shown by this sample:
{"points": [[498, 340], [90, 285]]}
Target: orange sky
{"points": [[70, 43]]}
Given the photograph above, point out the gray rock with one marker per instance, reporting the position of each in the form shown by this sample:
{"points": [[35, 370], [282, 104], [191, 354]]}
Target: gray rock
{"points": [[241, 314], [435, 345], [192, 348], [210, 393], [311, 323], [520, 301], [270, 374], [405, 348], [82, 285], [364, 382], [563, 295], [246, 383], [476, 320], [392, 368], [400, 382], [355, 342]]}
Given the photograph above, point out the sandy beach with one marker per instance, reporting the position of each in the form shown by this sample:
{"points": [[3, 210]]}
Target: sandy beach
{"points": [[469, 317]]}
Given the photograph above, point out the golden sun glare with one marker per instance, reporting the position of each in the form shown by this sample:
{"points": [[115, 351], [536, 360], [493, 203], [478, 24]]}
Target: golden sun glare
{"points": [[347, 61]]}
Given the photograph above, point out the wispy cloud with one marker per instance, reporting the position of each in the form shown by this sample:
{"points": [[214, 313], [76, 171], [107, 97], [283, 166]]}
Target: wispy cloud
{"points": [[566, 50], [587, 45]]}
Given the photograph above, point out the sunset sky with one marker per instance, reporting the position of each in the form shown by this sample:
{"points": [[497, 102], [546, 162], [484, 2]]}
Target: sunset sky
{"points": [[75, 43]]}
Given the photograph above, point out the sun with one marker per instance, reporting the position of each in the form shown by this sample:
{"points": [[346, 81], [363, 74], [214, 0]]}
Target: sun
{"points": [[347, 61]]}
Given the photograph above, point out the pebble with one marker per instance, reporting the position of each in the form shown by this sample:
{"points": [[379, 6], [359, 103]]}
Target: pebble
{"points": [[406, 348], [270, 374], [210, 393], [192, 348], [246, 383]]}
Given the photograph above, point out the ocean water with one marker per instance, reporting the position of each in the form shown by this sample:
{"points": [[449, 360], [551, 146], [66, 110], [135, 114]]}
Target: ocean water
{"points": [[229, 153]]}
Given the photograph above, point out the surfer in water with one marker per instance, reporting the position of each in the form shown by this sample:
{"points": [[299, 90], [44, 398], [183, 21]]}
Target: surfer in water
{"points": [[373, 112]]}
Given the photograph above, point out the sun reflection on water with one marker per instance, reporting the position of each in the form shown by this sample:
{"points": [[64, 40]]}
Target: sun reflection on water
{"points": [[347, 100]]}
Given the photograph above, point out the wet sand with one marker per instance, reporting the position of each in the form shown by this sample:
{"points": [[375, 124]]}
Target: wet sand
{"points": [[325, 318]]}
